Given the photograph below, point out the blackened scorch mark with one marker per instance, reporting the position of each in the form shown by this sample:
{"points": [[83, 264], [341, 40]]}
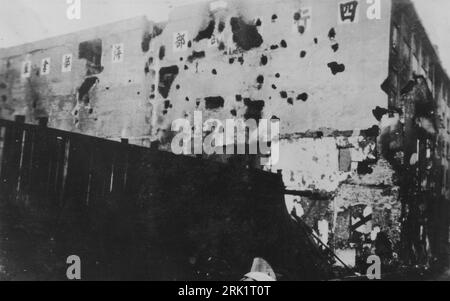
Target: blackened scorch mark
{"points": [[303, 97], [336, 68], [246, 36], [148, 37], [213, 103], [263, 60], [207, 32], [195, 56], [378, 113], [335, 47], [86, 87], [167, 76], [332, 34], [254, 109]]}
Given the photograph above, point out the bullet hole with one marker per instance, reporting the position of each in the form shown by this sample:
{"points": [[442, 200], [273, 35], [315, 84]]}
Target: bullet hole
{"points": [[302, 53], [129, 81], [152, 96], [246, 36], [277, 75], [290, 101], [75, 113], [167, 104], [86, 87], [197, 103], [238, 97], [378, 113], [260, 79], [254, 109], [91, 110], [221, 46], [264, 60], [187, 98], [177, 87], [4, 98], [297, 16], [207, 32], [316, 41], [283, 94], [181, 59], [150, 60], [138, 93], [274, 18], [233, 112], [336, 68], [147, 69], [214, 71], [274, 87], [189, 44], [258, 22], [196, 55], [241, 60], [335, 47], [152, 88], [167, 76], [221, 26], [186, 67], [303, 97], [213, 103], [77, 121], [274, 47], [275, 118], [332, 34], [231, 61], [165, 112], [301, 29], [283, 44]]}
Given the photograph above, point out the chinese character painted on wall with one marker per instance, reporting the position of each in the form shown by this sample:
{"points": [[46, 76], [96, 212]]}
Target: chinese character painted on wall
{"points": [[67, 63], [26, 69], [117, 53], [180, 41], [348, 12], [303, 20], [45, 66]]}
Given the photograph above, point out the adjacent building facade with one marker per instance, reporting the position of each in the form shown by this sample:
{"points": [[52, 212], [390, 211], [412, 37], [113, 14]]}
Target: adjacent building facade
{"points": [[358, 88]]}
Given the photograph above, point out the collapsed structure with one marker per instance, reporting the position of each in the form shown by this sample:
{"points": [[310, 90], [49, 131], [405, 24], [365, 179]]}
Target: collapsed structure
{"points": [[358, 88]]}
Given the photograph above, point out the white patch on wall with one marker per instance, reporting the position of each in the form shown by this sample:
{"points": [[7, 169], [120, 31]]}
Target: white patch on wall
{"points": [[348, 12], [66, 64], [304, 21], [26, 69], [218, 5], [180, 41], [117, 53], [45, 66], [374, 10]]}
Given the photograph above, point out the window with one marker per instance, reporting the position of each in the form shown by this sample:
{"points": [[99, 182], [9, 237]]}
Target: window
{"points": [[91, 51]]}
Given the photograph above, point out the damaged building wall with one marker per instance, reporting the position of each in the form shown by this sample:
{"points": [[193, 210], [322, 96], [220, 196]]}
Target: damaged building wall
{"points": [[85, 89]]}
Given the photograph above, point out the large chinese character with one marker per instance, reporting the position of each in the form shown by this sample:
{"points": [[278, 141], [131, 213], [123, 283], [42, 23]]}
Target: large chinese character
{"points": [[348, 12], [67, 63], [180, 41], [117, 54]]}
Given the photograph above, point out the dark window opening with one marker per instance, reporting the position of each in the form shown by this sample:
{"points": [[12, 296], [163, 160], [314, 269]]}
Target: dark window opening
{"points": [[91, 51]]}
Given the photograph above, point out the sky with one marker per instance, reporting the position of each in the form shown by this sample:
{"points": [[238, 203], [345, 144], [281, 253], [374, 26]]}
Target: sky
{"points": [[23, 21]]}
